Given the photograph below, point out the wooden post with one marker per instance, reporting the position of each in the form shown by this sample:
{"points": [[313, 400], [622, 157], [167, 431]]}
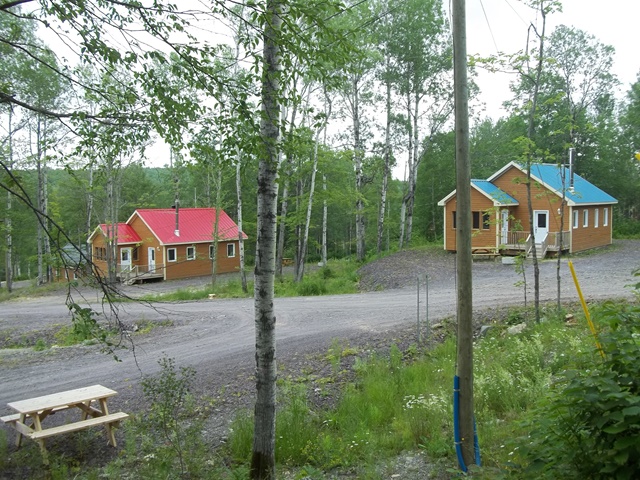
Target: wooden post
{"points": [[463, 236]]}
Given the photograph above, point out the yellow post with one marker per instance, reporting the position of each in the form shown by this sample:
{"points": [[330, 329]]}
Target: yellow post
{"points": [[585, 308]]}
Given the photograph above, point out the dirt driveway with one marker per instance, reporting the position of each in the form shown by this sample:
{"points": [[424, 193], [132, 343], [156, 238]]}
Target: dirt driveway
{"points": [[216, 337]]}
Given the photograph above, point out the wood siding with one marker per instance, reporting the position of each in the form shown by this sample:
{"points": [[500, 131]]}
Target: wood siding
{"points": [[584, 238], [513, 182], [201, 265], [481, 237]]}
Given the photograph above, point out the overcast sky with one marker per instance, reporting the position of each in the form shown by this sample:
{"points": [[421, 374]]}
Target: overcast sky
{"points": [[501, 26]]}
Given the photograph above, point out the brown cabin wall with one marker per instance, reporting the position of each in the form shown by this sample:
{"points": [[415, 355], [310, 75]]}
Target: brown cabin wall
{"points": [[480, 238], [513, 182], [584, 238], [201, 265], [148, 240]]}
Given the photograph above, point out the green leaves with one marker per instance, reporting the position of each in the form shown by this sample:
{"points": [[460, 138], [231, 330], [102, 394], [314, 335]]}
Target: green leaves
{"points": [[596, 416]]}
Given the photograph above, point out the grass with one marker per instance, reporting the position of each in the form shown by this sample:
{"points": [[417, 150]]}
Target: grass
{"points": [[399, 402], [338, 277]]}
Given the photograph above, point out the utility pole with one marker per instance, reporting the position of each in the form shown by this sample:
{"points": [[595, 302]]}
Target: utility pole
{"points": [[465, 433]]}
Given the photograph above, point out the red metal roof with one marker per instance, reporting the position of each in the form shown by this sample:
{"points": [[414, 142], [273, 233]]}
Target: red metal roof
{"points": [[125, 233], [195, 225]]}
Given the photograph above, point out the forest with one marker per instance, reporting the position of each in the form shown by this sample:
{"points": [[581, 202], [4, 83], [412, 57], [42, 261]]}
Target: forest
{"points": [[75, 137]]}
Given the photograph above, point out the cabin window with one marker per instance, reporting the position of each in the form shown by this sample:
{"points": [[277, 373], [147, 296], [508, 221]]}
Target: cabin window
{"points": [[486, 220], [454, 219], [231, 250], [191, 253], [134, 255], [476, 220], [211, 252], [171, 255], [605, 217], [575, 219], [596, 218], [585, 218]]}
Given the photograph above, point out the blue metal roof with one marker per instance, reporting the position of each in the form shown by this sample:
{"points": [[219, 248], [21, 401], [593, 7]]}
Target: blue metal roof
{"points": [[583, 191], [490, 190]]}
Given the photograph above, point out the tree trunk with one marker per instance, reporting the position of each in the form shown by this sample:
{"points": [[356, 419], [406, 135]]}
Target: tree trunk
{"points": [[284, 203], [404, 208], [357, 161], [387, 167], [39, 203], [305, 239], [413, 175], [243, 273], [216, 227], [89, 222], [324, 220], [530, 134], [284, 207], [263, 453], [7, 221]]}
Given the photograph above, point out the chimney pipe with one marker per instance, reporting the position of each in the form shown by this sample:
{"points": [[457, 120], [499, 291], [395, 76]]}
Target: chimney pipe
{"points": [[572, 153]]}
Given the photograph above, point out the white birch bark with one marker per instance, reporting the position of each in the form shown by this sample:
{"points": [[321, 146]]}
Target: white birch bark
{"points": [[263, 453], [243, 273], [387, 166], [7, 221], [357, 161], [216, 227]]}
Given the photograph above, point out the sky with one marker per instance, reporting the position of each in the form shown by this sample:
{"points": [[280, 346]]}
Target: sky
{"points": [[501, 26]]}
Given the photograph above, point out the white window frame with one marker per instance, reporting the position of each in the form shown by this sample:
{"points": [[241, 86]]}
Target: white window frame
{"points": [[175, 254], [585, 218], [211, 252], [576, 219], [233, 250], [596, 218], [605, 217], [191, 252]]}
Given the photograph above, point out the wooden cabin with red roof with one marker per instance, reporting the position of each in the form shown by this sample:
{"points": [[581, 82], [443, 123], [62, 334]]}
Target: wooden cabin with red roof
{"points": [[168, 244]]}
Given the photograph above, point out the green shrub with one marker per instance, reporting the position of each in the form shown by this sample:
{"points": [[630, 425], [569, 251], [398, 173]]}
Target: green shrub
{"points": [[311, 286], [590, 427]]}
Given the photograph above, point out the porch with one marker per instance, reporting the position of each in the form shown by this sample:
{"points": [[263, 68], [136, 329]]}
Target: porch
{"points": [[517, 241], [130, 274]]}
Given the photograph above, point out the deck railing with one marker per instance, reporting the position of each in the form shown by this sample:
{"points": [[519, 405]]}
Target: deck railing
{"points": [[128, 273], [554, 240], [515, 238]]}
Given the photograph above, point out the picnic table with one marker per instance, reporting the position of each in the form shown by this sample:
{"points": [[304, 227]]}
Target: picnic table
{"points": [[91, 401]]}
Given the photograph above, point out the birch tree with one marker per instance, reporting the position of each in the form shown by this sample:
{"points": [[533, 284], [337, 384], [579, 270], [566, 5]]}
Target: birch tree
{"points": [[422, 57]]}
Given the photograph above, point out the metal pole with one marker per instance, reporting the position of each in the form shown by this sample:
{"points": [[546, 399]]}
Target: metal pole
{"points": [[418, 311], [426, 287]]}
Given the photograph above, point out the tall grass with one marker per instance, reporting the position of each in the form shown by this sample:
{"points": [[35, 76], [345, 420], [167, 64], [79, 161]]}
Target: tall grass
{"points": [[400, 405], [338, 277]]}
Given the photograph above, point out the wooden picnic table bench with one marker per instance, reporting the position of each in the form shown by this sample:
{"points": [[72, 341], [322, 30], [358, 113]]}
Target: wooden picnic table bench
{"points": [[33, 411]]}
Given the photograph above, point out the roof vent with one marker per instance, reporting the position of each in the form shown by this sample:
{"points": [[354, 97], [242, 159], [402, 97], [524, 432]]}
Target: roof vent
{"points": [[176, 233]]}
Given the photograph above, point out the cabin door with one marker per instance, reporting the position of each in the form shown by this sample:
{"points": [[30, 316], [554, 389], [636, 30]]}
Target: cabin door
{"points": [[504, 227], [540, 225], [152, 259], [125, 260]]}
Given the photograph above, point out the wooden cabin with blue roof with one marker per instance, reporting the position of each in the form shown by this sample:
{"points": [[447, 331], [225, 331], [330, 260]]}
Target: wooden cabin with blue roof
{"points": [[500, 217]]}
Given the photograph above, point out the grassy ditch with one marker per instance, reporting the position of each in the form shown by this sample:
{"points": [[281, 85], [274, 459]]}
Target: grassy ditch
{"points": [[338, 277], [547, 405]]}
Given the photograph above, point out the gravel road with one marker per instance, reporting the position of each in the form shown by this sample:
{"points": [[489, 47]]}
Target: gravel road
{"points": [[216, 337]]}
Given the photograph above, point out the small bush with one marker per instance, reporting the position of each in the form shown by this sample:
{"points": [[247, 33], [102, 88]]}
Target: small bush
{"points": [[590, 427], [311, 287]]}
